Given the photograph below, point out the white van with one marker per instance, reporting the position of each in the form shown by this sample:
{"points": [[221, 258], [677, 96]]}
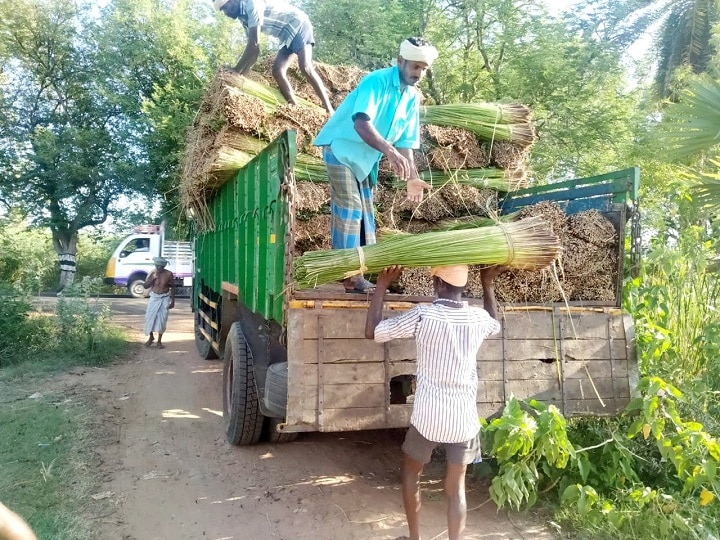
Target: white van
{"points": [[132, 261]]}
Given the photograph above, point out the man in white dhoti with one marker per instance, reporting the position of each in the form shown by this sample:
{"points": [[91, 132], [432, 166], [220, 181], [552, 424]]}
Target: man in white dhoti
{"points": [[162, 299]]}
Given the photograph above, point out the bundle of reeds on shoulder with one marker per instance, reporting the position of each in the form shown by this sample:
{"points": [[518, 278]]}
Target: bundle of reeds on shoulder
{"points": [[524, 244]]}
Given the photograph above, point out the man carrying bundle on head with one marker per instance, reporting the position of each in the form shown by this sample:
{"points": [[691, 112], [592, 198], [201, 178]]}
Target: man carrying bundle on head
{"points": [[288, 24], [381, 117], [162, 299], [448, 333]]}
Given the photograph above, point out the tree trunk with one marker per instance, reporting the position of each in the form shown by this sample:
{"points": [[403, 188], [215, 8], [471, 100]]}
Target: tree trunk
{"points": [[65, 244]]}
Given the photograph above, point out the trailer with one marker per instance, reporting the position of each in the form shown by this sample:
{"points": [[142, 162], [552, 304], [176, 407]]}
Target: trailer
{"points": [[297, 360]]}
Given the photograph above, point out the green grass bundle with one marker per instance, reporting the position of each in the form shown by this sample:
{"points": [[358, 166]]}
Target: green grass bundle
{"points": [[491, 177], [271, 97], [488, 121], [528, 244], [310, 169]]}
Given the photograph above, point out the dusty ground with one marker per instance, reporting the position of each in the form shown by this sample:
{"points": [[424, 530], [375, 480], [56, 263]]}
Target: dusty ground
{"points": [[171, 475]]}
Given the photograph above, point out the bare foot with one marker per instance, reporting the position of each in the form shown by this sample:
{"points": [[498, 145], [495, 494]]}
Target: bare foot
{"points": [[160, 345], [149, 342]]}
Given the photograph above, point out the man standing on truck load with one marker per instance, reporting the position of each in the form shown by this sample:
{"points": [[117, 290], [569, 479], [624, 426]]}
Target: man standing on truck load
{"points": [[291, 26], [448, 333], [162, 299], [380, 117]]}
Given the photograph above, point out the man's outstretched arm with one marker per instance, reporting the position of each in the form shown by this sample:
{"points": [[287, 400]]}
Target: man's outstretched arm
{"points": [[374, 315]]}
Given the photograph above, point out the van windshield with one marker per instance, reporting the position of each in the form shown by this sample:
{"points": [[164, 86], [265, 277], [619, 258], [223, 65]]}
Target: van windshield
{"points": [[135, 245]]}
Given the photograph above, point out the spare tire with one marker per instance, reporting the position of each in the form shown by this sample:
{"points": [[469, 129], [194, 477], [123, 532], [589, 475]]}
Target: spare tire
{"points": [[276, 385]]}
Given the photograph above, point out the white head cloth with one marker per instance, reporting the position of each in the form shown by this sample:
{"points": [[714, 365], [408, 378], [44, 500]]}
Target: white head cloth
{"points": [[414, 53]]}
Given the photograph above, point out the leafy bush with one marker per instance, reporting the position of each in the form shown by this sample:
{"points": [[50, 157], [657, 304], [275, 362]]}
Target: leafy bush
{"points": [[650, 473], [77, 332]]}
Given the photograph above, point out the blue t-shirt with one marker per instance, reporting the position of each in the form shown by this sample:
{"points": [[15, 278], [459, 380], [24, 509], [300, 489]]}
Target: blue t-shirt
{"points": [[394, 113]]}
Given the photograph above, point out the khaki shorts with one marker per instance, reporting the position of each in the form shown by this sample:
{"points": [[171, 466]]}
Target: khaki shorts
{"points": [[420, 449]]}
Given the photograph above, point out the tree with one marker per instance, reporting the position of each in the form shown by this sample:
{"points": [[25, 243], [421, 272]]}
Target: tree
{"points": [[684, 30], [67, 146]]}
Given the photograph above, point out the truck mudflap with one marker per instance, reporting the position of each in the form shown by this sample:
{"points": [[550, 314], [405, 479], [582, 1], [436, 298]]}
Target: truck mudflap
{"points": [[580, 359]]}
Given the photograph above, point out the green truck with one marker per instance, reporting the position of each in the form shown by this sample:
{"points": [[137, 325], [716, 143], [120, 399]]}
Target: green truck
{"points": [[297, 360]]}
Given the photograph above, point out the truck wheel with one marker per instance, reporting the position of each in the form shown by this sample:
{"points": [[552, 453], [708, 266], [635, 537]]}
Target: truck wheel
{"points": [[203, 346], [136, 288], [276, 384], [243, 421], [270, 433]]}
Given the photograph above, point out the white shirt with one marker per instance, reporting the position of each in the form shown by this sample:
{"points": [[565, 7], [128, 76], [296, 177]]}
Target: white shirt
{"points": [[448, 339]]}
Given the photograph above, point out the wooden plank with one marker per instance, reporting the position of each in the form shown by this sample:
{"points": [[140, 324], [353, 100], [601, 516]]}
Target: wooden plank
{"points": [[401, 349], [593, 407], [532, 370], [528, 325], [596, 368], [490, 371], [537, 389], [350, 396], [367, 418], [402, 368], [490, 392], [339, 351], [585, 389], [586, 349], [359, 372], [487, 410], [531, 349]]}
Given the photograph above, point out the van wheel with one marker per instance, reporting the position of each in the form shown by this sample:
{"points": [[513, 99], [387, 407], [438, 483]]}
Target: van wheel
{"points": [[271, 434], [204, 347], [136, 288], [276, 385], [241, 411]]}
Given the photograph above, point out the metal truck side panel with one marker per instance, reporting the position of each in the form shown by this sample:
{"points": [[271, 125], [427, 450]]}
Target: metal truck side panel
{"points": [[246, 247]]}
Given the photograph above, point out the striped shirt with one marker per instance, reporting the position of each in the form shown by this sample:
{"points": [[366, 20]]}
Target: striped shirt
{"points": [[274, 18], [448, 339]]}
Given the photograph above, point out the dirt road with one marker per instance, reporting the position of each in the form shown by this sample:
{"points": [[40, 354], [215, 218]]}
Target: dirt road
{"points": [[171, 475]]}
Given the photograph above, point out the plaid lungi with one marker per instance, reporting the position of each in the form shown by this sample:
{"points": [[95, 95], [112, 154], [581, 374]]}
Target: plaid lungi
{"points": [[352, 222]]}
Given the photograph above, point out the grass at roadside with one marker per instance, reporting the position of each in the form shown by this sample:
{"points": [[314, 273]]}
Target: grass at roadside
{"points": [[48, 461]]}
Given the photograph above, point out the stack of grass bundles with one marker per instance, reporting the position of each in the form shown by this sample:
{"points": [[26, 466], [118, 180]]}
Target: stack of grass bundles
{"points": [[586, 271], [527, 244], [236, 119]]}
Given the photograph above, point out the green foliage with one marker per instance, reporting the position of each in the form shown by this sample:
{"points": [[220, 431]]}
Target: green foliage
{"points": [[531, 447], [650, 470], [78, 331], [27, 259], [677, 326]]}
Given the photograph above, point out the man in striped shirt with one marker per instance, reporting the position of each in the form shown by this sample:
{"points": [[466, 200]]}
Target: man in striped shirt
{"points": [[448, 333], [291, 26]]}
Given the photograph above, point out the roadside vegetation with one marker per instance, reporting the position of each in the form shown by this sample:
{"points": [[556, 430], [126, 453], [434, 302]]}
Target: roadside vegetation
{"points": [[47, 457]]}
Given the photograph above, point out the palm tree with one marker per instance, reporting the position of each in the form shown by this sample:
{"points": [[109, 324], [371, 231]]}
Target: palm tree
{"points": [[683, 30]]}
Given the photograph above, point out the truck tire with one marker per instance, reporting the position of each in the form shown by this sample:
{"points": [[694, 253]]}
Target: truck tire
{"points": [[271, 434], [204, 347], [136, 288], [241, 411], [276, 385]]}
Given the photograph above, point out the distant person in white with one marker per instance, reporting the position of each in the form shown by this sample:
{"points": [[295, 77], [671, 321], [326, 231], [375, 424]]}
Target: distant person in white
{"points": [[448, 333], [162, 299]]}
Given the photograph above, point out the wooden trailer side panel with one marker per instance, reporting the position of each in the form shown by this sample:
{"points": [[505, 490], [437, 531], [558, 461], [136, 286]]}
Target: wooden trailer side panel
{"points": [[581, 360]]}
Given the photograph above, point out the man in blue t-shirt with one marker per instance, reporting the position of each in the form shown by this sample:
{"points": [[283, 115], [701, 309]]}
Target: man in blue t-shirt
{"points": [[381, 117]]}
